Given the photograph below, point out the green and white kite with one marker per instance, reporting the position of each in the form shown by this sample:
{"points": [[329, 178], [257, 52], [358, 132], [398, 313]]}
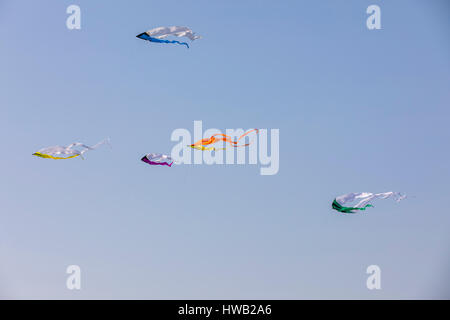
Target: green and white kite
{"points": [[364, 200]]}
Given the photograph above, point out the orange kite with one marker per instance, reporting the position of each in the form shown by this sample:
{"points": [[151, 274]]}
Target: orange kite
{"points": [[200, 145]]}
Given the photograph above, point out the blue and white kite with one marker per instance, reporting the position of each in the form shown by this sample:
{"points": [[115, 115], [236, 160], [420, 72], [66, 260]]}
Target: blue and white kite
{"points": [[158, 34]]}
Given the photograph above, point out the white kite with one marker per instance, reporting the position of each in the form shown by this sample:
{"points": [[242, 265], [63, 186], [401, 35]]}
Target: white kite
{"points": [[158, 159], [158, 34], [68, 152], [363, 200]]}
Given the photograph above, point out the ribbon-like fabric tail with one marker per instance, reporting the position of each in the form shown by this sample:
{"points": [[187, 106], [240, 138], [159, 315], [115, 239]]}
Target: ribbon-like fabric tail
{"points": [[221, 137]]}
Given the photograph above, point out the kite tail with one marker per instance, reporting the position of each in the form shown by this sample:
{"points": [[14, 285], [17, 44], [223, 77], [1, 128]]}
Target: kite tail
{"points": [[250, 131], [399, 196], [174, 41], [223, 137], [182, 43], [106, 141], [227, 138]]}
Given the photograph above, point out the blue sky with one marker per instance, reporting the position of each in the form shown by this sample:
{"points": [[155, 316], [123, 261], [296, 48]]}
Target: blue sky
{"points": [[357, 110]]}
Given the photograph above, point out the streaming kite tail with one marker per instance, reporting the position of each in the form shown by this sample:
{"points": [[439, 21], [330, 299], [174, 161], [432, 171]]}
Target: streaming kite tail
{"points": [[248, 132], [175, 41], [182, 43], [399, 196], [247, 144], [106, 141], [223, 137]]}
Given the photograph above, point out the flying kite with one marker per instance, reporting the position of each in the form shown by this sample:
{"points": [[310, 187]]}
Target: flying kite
{"points": [[364, 198], [200, 145], [68, 152], [158, 159], [158, 34]]}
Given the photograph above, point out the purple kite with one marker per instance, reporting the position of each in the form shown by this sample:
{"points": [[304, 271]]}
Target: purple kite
{"points": [[155, 159]]}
